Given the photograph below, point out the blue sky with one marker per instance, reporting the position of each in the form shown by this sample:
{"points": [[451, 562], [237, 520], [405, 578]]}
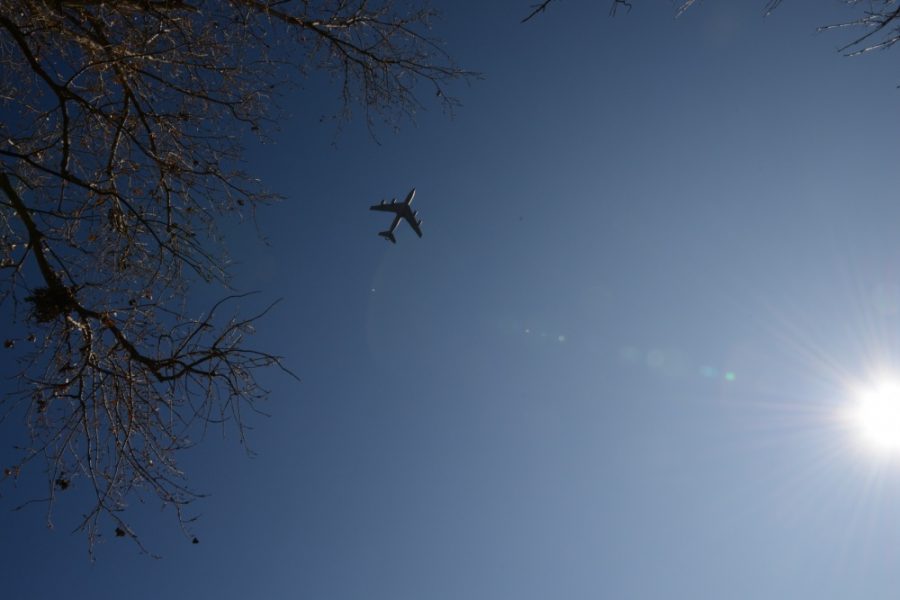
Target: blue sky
{"points": [[658, 256]]}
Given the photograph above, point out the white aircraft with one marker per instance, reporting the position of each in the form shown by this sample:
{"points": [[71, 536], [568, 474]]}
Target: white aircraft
{"points": [[401, 210]]}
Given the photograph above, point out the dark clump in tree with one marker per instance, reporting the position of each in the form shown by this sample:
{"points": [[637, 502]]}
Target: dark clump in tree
{"points": [[119, 147]]}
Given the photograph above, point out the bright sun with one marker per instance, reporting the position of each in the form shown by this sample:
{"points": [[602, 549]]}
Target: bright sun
{"points": [[878, 416]]}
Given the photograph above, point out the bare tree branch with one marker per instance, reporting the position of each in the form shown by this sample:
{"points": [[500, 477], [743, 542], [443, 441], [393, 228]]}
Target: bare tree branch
{"points": [[119, 154], [878, 17], [537, 9]]}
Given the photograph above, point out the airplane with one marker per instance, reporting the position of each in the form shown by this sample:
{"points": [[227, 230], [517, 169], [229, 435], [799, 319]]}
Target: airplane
{"points": [[401, 210]]}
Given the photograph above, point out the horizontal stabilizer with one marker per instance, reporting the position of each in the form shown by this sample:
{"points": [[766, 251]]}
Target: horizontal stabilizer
{"points": [[388, 235]]}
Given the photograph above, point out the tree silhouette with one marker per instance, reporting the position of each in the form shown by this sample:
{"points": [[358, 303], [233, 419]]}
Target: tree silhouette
{"points": [[119, 142], [878, 20]]}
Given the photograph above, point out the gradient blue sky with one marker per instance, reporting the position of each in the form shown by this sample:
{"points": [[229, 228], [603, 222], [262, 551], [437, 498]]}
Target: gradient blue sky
{"points": [[658, 256]]}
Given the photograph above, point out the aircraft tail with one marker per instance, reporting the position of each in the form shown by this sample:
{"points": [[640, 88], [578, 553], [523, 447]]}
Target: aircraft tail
{"points": [[388, 235]]}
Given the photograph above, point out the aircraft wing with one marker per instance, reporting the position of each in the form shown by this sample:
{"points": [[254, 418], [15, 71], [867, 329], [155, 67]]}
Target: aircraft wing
{"points": [[411, 219], [393, 207]]}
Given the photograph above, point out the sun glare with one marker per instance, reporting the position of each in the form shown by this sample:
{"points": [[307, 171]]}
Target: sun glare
{"points": [[878, 416]]}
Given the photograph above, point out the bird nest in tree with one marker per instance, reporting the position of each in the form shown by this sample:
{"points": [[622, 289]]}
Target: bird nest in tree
{"points": [[49, 303]]}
